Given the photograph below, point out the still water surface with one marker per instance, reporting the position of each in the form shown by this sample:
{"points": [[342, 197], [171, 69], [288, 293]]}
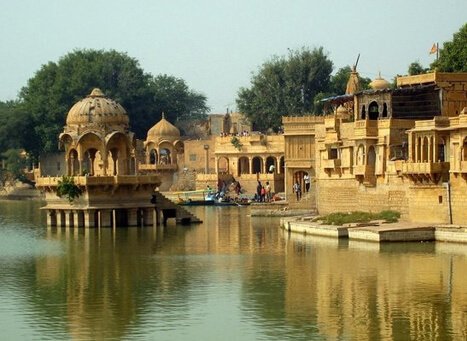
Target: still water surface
{"points": [[231, 278]]}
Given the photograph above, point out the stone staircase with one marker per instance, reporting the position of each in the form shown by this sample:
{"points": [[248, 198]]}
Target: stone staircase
{"points": [[171, 210], [307, 202]]}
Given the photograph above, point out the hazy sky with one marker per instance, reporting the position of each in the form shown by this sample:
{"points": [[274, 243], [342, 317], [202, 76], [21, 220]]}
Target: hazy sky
{"points": [[215, 45]]}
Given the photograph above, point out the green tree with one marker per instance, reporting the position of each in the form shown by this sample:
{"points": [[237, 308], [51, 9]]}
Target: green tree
{"points": [[416, 68], [453, 54], [52, 91], [16, 162], [172, 96], [285, 86], [340, 78]]}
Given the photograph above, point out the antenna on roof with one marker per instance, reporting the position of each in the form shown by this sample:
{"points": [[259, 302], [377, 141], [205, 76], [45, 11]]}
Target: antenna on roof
{"points": [[356, 63]]}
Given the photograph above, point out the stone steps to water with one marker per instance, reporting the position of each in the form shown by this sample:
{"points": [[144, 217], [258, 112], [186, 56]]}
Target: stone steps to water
{"points": [[182, 215]]}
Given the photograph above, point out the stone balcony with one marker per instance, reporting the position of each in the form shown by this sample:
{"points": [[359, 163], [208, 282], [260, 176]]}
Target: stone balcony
{"points": [[157, 167], [91, 181], [425, 171], [365, 129], [425, 167], [330, 164]]}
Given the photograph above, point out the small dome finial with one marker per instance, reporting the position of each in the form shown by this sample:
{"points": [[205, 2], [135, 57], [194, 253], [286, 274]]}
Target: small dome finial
{"points": [[96, 92], [163, 115]]}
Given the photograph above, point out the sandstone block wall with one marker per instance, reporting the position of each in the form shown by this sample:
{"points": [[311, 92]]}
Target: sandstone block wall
{"points": [[428, 204]]}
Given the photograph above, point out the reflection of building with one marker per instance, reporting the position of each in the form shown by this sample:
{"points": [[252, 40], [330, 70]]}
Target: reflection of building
{"points": [[385, 148], [100, 154], [354, 293]]}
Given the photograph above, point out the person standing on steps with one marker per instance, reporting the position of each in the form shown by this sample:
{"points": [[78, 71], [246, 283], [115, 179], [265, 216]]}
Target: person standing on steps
{"points": [[298, 190], [306, 179]]}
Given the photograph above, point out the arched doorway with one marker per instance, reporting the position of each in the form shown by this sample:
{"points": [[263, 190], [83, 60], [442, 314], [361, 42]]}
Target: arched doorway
{"points": [[243, 165], [257, 165], [153, 157], [442, 150], [425, 149], [271, 161], [282, 165]]}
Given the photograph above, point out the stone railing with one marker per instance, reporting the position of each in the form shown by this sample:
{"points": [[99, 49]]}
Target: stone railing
{"points": [[425, 167], [101, 180], [366, 128], [156, 167]]}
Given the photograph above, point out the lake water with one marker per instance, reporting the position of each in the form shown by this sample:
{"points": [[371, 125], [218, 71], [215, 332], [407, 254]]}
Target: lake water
{"points": [[231, 278]]}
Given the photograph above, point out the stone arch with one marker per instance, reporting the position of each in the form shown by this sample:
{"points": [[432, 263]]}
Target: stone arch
{"points": [[271, 161], [72, 162], [119, 146], [89, 164], [165, 152], [223, 165], [373, 111], [282, 165], [243, 165], [257, 165], [363, 113], [385, 110], [153, 156], [360, 159]]}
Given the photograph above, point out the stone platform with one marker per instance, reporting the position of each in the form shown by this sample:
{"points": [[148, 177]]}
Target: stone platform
{"points": [[377, 231]]}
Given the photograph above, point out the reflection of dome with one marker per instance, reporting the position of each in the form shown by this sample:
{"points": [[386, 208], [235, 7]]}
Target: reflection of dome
{"points": [[163, 128], [379, 83], [96, 108]]}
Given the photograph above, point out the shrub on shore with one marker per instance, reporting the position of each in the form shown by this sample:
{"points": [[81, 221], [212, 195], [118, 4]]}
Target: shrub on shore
{"points": [[340, 218]]}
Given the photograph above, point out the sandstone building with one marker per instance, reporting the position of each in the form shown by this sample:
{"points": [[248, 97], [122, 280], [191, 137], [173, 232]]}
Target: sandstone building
{"points": [[400, 149]]}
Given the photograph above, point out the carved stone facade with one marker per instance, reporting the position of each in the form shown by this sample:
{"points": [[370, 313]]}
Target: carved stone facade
{"points": [[400, 149]]}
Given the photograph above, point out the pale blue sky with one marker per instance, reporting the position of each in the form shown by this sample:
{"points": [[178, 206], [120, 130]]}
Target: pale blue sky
{"points": [[215, 45]]}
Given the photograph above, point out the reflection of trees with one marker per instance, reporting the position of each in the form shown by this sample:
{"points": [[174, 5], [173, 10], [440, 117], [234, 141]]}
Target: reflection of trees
{"points": [[106, 280]]}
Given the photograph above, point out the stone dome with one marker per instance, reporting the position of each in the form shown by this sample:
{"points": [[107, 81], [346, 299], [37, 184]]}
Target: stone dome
{"points": [[96, 108], [163, 128], [380, 83], [342, 111]]}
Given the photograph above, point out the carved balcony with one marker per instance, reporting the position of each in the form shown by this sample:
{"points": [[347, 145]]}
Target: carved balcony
{"points": [[331, 164], [157, 167], [366, 129], [425, 171]]}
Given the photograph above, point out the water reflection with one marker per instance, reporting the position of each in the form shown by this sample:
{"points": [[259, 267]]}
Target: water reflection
{"points": [[232, 277]]}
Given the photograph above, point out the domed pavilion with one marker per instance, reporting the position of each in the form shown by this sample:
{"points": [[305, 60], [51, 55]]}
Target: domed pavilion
{"points": [[100, 158], [164, 151]]}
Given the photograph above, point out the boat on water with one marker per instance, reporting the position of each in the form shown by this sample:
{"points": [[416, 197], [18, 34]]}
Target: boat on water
{"points": [[207, 198]]}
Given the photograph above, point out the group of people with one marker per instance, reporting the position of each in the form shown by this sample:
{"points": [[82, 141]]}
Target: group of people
{"points": [[263, 193], [242, 133], [297, 188]]}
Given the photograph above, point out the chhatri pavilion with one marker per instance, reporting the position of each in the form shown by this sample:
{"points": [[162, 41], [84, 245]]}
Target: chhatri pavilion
{"points": [[100, 154]]}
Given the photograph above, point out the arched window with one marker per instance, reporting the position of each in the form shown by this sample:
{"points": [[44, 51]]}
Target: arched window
{"points": [[153, 157], [363, 115], [361, 155], [385, 110], [373, 111]]}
